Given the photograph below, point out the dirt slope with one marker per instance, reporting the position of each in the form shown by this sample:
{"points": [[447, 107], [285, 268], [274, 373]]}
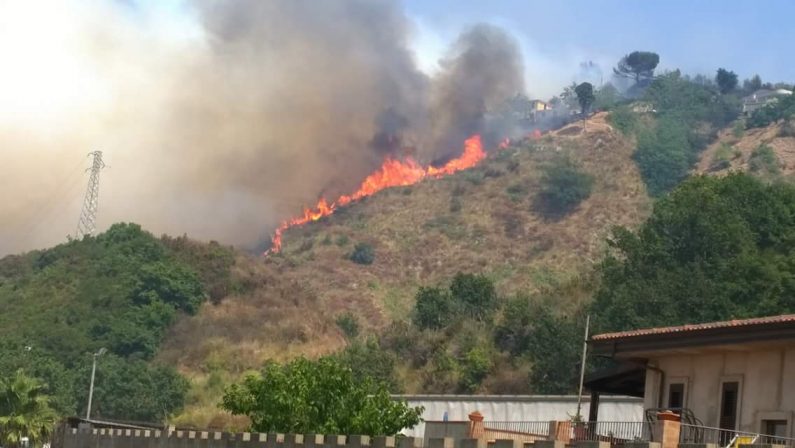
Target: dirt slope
{"points": [[732, 150]]}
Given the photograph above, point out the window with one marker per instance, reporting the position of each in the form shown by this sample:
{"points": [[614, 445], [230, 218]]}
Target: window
{"points": [[676, 395], [776, 428]]}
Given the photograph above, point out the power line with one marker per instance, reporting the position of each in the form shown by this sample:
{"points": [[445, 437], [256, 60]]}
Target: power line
{"points": [[88, 216]]}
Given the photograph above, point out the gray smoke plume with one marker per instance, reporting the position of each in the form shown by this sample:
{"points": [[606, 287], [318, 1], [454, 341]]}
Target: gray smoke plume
{"points": [[273, 104], [483, 70]]}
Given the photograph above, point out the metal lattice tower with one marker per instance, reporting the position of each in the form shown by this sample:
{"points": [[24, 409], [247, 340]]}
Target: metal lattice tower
{"points": [[88, 217]]}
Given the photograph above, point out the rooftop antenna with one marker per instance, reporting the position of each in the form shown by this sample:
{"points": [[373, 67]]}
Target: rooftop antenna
{"points": [[88, 216]]}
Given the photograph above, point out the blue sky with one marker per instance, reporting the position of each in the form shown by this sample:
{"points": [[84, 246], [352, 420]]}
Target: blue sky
{"points": [[696, 36]]}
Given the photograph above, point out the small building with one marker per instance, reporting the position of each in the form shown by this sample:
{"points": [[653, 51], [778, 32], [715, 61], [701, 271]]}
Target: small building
{"points": [[538, 105], [762, 98], [731, 377]]}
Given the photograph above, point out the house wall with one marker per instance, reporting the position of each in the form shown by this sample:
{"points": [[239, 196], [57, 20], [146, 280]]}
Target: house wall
{"points": [[767, 384]]}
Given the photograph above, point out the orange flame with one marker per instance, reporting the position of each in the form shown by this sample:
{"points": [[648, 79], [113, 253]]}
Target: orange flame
{"points": [[393, 173]]}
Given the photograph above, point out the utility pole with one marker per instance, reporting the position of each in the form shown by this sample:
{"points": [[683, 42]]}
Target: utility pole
{"points": [[88, 216], [582, 364], [91, 387]]}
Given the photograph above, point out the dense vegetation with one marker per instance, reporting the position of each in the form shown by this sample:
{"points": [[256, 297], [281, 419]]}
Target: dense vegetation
{"points": [[782, 109], [713, 249], [318, 397], [465, 337], [687, 117], [119, 290], [716, 248]]}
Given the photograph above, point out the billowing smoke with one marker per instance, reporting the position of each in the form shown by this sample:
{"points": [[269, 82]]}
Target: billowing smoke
{"points": [[482, 71], [226, 131]]}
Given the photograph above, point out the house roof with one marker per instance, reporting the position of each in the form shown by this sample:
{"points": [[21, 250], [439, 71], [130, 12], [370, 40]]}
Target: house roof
{"points": [[696, 327]]}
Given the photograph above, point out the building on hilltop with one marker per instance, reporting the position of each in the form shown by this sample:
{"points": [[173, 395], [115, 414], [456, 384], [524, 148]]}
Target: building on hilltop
{"points": [[729, 378], [762, 98]]}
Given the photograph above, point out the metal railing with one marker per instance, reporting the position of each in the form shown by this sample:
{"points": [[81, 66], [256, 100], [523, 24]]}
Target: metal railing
{"points": [[617, 433], [729, 438], [523, 431]]}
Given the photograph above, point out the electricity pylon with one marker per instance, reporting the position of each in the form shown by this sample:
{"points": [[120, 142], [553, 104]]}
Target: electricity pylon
{"points": [[88, 216]]}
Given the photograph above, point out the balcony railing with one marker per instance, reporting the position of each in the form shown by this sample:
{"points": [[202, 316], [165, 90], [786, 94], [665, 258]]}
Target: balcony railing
{"points": [[728, 438]]}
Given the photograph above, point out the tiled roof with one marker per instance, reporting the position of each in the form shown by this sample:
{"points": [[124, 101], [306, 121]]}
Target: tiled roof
{"points": [[784, 318]]}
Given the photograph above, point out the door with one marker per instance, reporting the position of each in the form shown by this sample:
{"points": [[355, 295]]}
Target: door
{"points": [[729, 397]]}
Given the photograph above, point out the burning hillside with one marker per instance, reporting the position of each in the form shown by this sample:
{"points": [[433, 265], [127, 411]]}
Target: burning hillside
{"points": [[392, 173]]}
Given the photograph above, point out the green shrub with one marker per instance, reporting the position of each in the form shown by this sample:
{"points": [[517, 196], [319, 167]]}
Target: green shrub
{"points": [[664, 155], [348, 324], [433, 308], [738, 130], [367, 359], [363, 253], [563, 187], [722, 157], [475, 294], [623, 119], [764, 161], [474, 368]]}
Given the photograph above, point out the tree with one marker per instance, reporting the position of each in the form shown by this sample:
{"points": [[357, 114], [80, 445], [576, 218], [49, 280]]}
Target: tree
{"points": [[320, 397], [753, 84], [585, 96], [726, 80], [475, 294], [132, 390], [606, 97], [433, 308], [569, 96], [367, 359], [24, 411], [713, 249], [638, 65]]}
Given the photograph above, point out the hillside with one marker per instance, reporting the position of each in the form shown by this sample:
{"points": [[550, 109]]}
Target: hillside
{"points": [[482, 220], [738, 149], [163, 306], [419, 239]]}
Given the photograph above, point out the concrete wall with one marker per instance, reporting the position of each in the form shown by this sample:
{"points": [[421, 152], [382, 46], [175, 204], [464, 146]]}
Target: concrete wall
{"points": [[518, 408], [767, 384]]}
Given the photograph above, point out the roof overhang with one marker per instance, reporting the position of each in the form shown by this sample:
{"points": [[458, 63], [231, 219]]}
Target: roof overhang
{"points": [[744, 335]]}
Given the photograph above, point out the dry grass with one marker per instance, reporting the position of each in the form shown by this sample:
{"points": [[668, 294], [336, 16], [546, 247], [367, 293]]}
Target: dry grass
{"points": [[742, 148], [419, 238]]}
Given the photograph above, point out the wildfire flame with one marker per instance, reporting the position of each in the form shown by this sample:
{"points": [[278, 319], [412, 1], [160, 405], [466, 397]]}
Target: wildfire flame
{"points": [[393, 173]]}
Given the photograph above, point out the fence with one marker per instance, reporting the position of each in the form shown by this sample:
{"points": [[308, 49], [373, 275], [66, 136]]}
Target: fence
{"points": [[616, 433], [524, 432], [728, 438], [135, 438]]}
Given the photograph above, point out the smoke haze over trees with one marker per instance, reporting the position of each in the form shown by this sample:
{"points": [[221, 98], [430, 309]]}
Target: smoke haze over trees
{"points": [[255, 112]]}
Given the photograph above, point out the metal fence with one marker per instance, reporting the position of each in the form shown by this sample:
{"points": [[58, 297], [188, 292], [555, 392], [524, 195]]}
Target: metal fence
{"points": [[617, 433], [523, 431], [728, 438]]}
